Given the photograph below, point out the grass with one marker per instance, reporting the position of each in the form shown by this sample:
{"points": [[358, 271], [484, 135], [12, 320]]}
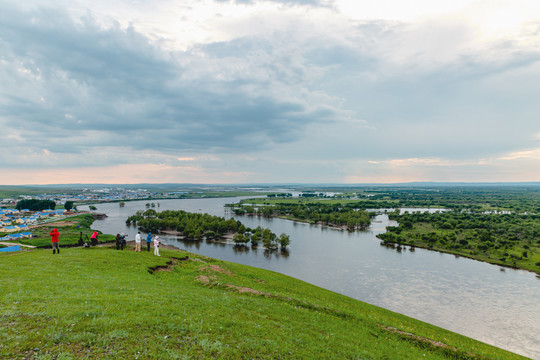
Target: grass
{"points": [[100, 303]]}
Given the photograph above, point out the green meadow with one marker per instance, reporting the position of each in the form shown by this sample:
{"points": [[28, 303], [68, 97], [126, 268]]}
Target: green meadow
{"points": [[101, 303]]}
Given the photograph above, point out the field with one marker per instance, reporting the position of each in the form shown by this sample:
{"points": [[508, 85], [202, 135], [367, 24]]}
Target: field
{"points": [[100, 303]]}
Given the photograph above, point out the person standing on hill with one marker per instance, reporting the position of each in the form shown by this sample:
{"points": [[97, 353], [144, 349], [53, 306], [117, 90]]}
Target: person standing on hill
{"points": [[54, 239], [148, 241], [156, 245], [94, 238], [138, 242], [118, 241]]}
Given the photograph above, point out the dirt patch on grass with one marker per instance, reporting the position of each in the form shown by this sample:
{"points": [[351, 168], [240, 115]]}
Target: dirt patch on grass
{"points": [[432, 344], [243, 289], [206, 279], [212, 280], [216, 268], [393, 330], [60, 223], [167, 267]]}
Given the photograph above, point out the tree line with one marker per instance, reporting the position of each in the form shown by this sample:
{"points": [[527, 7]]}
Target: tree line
{"points": [[511, 239], [327, 214], [35, 205], [198, 226]]}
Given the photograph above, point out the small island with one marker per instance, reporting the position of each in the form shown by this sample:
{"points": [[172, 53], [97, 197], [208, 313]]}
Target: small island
{"points": [[196, 226]]}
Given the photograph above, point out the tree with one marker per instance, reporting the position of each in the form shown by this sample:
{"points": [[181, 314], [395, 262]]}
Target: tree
{"points": [[284, 240], [239, 239], [68, 205], [35, 205], [255, 238], [150, 213], [269, 239]]}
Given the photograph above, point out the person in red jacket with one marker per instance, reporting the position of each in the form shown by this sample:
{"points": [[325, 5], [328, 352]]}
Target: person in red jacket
{"points": [[54, 238], [93, 238]]}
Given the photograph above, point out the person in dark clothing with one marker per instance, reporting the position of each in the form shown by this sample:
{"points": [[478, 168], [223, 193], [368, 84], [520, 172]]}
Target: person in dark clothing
{"points": [[124, 242], [118, 242], [81, 241]]}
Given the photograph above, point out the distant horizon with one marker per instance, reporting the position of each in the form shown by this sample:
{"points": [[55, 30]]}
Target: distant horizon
{"points": [[413, 183]]}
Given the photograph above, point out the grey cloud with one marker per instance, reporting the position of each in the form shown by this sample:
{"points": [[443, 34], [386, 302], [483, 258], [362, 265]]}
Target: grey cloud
{"points": [[471, 108], [72, 81]]}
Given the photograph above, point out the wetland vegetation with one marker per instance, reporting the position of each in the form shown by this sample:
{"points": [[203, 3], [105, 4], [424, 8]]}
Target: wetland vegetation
{"points": [[497, 224], [336, 215], [508, 239], [197, 226]]}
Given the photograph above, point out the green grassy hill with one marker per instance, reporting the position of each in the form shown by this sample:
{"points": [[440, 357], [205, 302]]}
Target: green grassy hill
{"points": [[100, 303]]}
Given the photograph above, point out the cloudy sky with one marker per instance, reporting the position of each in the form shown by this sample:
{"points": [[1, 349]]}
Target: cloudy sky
{"points": [[274, 91]]}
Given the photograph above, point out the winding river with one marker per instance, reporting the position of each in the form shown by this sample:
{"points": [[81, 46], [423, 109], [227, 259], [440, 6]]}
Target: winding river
{"points": [[486, 302]]}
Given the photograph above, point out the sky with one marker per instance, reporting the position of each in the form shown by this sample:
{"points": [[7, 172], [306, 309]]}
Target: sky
{"points": [[274, 91]]}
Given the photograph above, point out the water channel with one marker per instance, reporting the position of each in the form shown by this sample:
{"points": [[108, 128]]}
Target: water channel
{"points": [[486, 302]]}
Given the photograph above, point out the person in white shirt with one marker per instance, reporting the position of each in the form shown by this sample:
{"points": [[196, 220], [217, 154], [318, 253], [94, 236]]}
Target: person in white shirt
{"points": [[156, 245], [138, 242]]}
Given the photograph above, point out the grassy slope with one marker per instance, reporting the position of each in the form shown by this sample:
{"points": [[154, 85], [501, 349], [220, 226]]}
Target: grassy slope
{"points": [[101, 303]]}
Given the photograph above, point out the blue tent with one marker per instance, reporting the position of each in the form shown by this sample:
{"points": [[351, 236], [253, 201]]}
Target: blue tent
{"points": [[11, 248]]}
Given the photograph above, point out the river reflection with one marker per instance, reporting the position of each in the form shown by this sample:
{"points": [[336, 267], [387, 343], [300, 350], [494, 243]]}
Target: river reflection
{"points": [[469, 297]]}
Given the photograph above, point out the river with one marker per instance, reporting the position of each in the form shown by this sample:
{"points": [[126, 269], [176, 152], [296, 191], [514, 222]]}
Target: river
{"points": [[498, 306]]}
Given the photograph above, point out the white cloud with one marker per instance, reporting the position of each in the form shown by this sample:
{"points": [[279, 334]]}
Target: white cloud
{"points": [[527, 154]]}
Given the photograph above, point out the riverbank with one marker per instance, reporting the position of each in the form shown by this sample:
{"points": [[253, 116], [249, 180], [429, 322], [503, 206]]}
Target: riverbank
{"points": [[508, 240], [477, 257], [122, 304]]}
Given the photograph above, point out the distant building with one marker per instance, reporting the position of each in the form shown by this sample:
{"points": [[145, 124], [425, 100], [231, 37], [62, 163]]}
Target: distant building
{"points": [[9, 229]]}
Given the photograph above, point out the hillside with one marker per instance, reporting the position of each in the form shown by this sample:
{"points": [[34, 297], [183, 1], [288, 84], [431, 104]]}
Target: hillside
{"points": [[100, 303]]}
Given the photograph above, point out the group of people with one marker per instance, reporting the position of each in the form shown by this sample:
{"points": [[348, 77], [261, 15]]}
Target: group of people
{"points": [[120, 241], [149, 239]]}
